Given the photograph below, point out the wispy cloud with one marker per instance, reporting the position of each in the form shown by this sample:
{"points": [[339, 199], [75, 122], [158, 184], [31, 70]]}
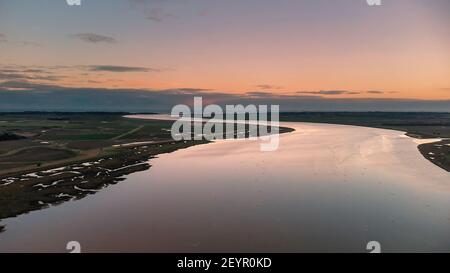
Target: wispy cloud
{"points": [[376, 92], [19, 76], [268, 87], [189, 91], [116, 68], [94, 38], [344, 92], [78, 74], [260, 94], [26, 85], [330, 92], [23, 73]]}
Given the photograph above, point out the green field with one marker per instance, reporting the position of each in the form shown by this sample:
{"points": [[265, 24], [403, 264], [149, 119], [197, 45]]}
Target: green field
{"points": [[61, 137]]}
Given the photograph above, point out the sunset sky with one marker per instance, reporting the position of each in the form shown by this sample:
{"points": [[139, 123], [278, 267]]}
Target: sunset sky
{"points": [[289, 48]]}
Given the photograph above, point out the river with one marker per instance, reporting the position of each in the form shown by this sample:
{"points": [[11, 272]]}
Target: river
{"points": [[328, 188]]}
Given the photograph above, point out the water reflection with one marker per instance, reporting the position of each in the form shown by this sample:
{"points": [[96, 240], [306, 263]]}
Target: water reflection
{"points": [[328, 188]]}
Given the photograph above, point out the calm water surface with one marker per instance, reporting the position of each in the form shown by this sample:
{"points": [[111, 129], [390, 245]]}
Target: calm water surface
{"points": [[328, 188]]}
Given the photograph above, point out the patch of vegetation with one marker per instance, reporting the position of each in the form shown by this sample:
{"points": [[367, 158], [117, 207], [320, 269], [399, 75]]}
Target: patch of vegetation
{"points": [[10, 136], [75, 181], [38, 154]]}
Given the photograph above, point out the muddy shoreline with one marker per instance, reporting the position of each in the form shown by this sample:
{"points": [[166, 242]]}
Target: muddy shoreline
{"points": [[42, 187], [49, 187], [438, 153]]}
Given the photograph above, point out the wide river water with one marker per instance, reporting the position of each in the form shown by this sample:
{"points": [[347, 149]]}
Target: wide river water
{"points": [[328, 188]]}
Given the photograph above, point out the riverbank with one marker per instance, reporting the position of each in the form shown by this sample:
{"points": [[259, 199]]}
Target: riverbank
{"points": [[362, 183], [64, 157], [438, 153], [420, 125], [69, 156], [23, 193]]}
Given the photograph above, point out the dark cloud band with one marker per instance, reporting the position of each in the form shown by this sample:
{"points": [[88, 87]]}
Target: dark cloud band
{"points": [[113, 68], [27, 96]]}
